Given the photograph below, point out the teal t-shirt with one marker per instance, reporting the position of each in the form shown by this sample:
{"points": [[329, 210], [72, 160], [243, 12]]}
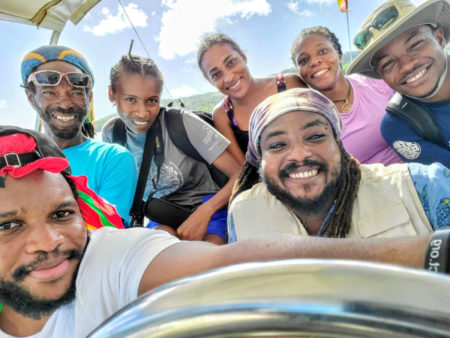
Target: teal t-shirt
{"points": [[110, 170]]}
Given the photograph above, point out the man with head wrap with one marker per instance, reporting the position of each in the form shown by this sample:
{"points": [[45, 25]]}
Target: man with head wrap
{"points": [[58, 82], [58, 280], [405, 45], [312, 186]]}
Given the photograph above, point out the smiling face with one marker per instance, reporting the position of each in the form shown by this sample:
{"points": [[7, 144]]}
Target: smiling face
{"points": [[62, 108], [137, 98], [301, 161], [227, 70], [42, 239], [412, 63], [317, 62]]}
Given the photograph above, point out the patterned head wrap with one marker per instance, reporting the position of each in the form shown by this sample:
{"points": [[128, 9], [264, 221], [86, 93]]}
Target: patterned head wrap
{"points": [[297, 99], [46, 54]]}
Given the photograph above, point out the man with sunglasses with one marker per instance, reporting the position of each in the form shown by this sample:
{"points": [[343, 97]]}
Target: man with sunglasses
{"points": [[58, 83], [405, 46]]}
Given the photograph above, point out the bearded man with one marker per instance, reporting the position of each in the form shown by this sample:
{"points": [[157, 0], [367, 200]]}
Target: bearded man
{"points": [[312, 186]]}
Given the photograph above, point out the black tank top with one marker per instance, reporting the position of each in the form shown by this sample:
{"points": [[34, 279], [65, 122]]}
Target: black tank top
{"points": [[242, 135]]}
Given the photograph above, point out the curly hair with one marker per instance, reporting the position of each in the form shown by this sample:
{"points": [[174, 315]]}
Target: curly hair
{"points": [[320, 30]]}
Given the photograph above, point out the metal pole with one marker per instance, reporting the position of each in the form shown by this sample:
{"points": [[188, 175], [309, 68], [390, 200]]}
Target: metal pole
{"points": [[349, 41], [55, 37]]}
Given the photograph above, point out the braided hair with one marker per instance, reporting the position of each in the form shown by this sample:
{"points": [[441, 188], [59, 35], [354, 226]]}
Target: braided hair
{"points": [[135, 64], [248, 177]]}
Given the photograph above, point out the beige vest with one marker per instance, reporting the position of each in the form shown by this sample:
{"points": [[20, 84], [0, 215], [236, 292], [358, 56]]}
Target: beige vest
{"points": [[387, 205]]}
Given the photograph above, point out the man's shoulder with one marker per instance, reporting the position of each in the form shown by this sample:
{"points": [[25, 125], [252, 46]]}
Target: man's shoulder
{"points": [[103, 149], [377, 171], [107, 129], [258, 191]]}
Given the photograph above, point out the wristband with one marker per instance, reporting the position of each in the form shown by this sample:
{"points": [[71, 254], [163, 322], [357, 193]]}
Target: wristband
{"points": [[437, 256]]}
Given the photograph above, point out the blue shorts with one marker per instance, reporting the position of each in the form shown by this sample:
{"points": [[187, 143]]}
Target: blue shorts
{"points": [[217, 223]]}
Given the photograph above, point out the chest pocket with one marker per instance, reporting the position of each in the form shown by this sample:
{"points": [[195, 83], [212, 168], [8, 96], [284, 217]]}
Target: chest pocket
{"points": [[390, 221]]}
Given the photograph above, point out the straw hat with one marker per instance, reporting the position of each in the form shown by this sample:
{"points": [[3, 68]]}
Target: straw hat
{"points": [[430, 12]]}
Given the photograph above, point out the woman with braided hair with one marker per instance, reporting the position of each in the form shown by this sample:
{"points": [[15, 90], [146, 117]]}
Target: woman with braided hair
{"points": [[312, 186], [361, 101], [174, 176]]}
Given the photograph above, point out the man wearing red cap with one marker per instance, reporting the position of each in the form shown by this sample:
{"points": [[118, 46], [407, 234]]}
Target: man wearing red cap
{"points": [[56, 280]]}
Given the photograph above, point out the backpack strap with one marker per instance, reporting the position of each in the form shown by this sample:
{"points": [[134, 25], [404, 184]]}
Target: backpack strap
{"points": [[418, 116], [281, 83], [178, 134], [119, 132], [153, 146]]}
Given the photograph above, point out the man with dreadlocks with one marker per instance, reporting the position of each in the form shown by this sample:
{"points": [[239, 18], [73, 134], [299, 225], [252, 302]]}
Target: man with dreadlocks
{"points": [[58, 82], [58, 280], [312, 186]]}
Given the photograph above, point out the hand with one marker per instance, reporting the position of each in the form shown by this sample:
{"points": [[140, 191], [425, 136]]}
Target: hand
{"points": [[194, 228]]}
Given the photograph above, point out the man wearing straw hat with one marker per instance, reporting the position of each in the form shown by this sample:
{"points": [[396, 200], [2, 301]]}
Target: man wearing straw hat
{"points": [[405, 46], [58, 82]]}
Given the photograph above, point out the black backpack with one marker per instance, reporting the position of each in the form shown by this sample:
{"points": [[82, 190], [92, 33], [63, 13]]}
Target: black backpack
{"points": [[419, 117], [178, 135]]}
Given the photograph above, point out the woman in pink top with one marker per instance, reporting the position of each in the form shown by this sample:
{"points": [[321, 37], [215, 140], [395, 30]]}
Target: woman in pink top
{"points": [[361, 101]]}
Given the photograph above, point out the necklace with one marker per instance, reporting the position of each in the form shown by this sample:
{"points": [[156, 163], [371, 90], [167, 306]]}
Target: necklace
{"points": [[346, 107]]}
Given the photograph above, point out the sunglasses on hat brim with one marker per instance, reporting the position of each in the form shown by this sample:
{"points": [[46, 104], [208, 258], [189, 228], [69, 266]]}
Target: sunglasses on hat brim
{"points": [[53, 78], [380, 22]]}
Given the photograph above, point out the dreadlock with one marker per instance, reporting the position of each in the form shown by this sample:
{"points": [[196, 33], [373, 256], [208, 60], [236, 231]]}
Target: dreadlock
{"points": [[248, 177], [88, 130], [338, 224]]}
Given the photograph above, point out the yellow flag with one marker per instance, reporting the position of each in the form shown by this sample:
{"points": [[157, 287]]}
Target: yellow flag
{"points": [[343, 5]]}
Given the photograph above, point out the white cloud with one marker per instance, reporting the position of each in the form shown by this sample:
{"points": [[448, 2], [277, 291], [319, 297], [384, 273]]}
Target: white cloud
{"points": [[294, 7], [183, 23], [113, 23], [183, 91], [3, 104]]}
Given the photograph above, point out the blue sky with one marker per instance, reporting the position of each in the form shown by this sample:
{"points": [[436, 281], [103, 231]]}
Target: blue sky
{"points": [[170, 29]]}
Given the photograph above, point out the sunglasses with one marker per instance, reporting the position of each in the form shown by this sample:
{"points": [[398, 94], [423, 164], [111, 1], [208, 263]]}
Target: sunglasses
{"points": [[381, 21], [53, 78]]}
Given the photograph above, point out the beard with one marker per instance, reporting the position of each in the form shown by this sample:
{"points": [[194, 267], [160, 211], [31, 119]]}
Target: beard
{"points": [[64, 133], [305, 206], [19, 299]]}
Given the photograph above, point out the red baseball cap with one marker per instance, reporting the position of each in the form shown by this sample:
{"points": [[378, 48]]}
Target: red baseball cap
{"points": [[23, 151]]}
